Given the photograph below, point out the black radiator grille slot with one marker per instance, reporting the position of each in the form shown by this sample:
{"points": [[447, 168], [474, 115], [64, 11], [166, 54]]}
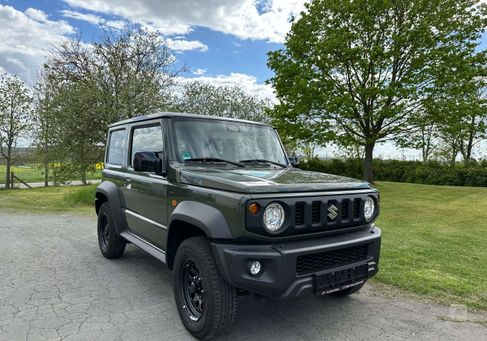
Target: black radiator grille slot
{"points": [[299, 220], [345, 207], [356, 208], [330, 259], [316, 212]]}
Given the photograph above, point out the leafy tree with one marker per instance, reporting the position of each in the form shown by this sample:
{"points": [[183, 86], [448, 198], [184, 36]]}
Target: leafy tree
{"points": [[225, 101], [462, 107], [90, 86], [15, 114], [357, 71], [45, 127]]}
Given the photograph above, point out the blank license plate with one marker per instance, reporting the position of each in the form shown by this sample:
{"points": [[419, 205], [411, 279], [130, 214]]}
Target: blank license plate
{"points": [[339, 280]]}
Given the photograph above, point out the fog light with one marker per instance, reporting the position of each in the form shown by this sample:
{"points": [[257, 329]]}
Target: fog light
{"points": [[255, 268]]}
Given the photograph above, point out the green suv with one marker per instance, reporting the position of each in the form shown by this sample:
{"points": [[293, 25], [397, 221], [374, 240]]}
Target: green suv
{"points": [[219, 203]]}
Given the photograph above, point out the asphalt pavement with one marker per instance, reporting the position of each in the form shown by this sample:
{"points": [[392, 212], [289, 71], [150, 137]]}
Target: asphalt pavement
{"points": [[55, 285]]}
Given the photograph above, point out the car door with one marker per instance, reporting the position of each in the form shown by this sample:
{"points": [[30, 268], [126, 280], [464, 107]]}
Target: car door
{"points": [[145, 194]]}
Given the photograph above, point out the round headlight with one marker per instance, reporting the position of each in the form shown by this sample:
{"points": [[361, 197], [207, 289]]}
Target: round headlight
{"points": [[274, 216], [369, 208]]}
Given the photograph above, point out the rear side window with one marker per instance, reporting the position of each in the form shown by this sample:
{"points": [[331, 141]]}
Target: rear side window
{"points": [[116, 147], [147, 139]]}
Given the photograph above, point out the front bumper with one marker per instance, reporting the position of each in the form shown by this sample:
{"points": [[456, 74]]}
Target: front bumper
{"points": [[281, 277]]}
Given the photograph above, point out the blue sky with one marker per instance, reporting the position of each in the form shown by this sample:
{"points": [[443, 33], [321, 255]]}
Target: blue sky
{"points": [[221, 41]]}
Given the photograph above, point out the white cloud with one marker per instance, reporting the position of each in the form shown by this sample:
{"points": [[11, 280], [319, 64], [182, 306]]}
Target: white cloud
{"points": [[246, 19], [24, 38], [185, 45], [94, 19], [247, 82], [199, 72]]}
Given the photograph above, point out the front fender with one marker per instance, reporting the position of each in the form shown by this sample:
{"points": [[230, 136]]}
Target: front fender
{"points": [[110, 191], [203, 216]]}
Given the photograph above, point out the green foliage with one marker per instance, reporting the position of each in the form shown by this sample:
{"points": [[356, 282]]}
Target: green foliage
{"points": [[431, 172], [84, 89], [15, 117], [358, 71], [225, 101]]}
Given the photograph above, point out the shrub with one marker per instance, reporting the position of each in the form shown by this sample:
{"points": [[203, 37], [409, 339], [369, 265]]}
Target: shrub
{"points": [[431, 172]]}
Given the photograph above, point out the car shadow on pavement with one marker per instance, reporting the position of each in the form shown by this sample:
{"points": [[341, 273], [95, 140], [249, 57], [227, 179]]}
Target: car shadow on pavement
{"points": [[311, 317]]}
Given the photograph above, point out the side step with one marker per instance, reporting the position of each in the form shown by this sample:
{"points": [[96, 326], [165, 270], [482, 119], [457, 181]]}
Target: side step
{"points": [[145, 246]]}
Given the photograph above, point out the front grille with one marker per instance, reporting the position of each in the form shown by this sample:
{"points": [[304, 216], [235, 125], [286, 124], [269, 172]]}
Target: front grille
{"points": [[314, 214], [328, 214], [316, 262]]}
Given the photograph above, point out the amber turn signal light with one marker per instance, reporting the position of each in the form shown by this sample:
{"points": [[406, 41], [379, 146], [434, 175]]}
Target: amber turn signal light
{"points": [[254, 208]]}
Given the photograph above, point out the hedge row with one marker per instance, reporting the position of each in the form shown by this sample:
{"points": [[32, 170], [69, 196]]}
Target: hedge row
{"points": [[432, 172]]}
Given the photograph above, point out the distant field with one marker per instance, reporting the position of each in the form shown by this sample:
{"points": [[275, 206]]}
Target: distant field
{"points": [[434, 237], [33, 173], [435, 241]]}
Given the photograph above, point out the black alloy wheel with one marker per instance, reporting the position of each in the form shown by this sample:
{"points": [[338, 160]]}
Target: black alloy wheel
{"points": [[111, 244], [193, 291]]}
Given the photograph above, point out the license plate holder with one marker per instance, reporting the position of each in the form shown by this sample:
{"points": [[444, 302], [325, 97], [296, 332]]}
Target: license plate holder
{"points": [[341, 279]]}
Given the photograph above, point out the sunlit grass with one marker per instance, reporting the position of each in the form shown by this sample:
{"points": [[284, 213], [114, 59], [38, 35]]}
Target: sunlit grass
{"points": [[435, 241], [52, 199]]}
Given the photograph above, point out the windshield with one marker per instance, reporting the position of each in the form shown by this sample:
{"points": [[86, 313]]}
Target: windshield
{"points": [[226, 140]]}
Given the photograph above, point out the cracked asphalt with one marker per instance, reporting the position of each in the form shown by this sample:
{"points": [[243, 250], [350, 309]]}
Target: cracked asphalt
{"points": [[55, 285]]}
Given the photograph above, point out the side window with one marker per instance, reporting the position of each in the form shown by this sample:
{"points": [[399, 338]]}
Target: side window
{"points": [[116, 147], [147, 139]]}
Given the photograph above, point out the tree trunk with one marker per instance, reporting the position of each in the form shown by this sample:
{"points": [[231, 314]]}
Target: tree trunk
{"points": [[7, 174], [367, 164], [83, 177], [46, 173]]}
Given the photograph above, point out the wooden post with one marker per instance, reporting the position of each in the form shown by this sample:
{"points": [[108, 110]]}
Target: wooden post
{"points": [[12, 179], [22, 181]]}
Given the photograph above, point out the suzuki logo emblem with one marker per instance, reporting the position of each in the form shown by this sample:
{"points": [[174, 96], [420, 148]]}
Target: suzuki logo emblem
{"points": [[332, 212]]}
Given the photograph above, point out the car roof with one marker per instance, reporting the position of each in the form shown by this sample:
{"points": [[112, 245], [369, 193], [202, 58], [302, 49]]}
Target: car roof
{"points": [[182, 115]]}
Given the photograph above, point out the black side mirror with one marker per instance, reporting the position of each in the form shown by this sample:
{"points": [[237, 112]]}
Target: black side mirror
{"points": [[149, 162], [293, 160]]}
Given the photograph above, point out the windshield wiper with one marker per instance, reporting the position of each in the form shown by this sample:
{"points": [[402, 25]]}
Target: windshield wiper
{"points": [[214, 159], [263, 161]]}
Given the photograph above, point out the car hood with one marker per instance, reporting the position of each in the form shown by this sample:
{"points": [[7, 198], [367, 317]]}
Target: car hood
{"points": [[263, 180]]}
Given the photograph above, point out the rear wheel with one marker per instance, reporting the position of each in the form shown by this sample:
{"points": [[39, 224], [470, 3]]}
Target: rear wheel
{"points": [[111, 244], [347, 291], [206, 304]]}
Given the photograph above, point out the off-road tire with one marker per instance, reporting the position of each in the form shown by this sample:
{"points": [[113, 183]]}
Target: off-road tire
{"points": [[110, 243], [220, 298], [347, 291]]}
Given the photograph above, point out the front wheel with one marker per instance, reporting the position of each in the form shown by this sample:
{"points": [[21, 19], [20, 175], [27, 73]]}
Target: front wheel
{"points": [[110, 242], [206, 304]]}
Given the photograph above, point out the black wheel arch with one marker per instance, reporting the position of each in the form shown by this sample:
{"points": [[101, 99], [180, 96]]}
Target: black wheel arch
{"points": [[191, 219], [107, 191]]}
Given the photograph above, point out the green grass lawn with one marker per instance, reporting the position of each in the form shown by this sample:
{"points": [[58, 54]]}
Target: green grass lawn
{"points": [[434, 237], [50, 199], [34, 173], [435, 241]]}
